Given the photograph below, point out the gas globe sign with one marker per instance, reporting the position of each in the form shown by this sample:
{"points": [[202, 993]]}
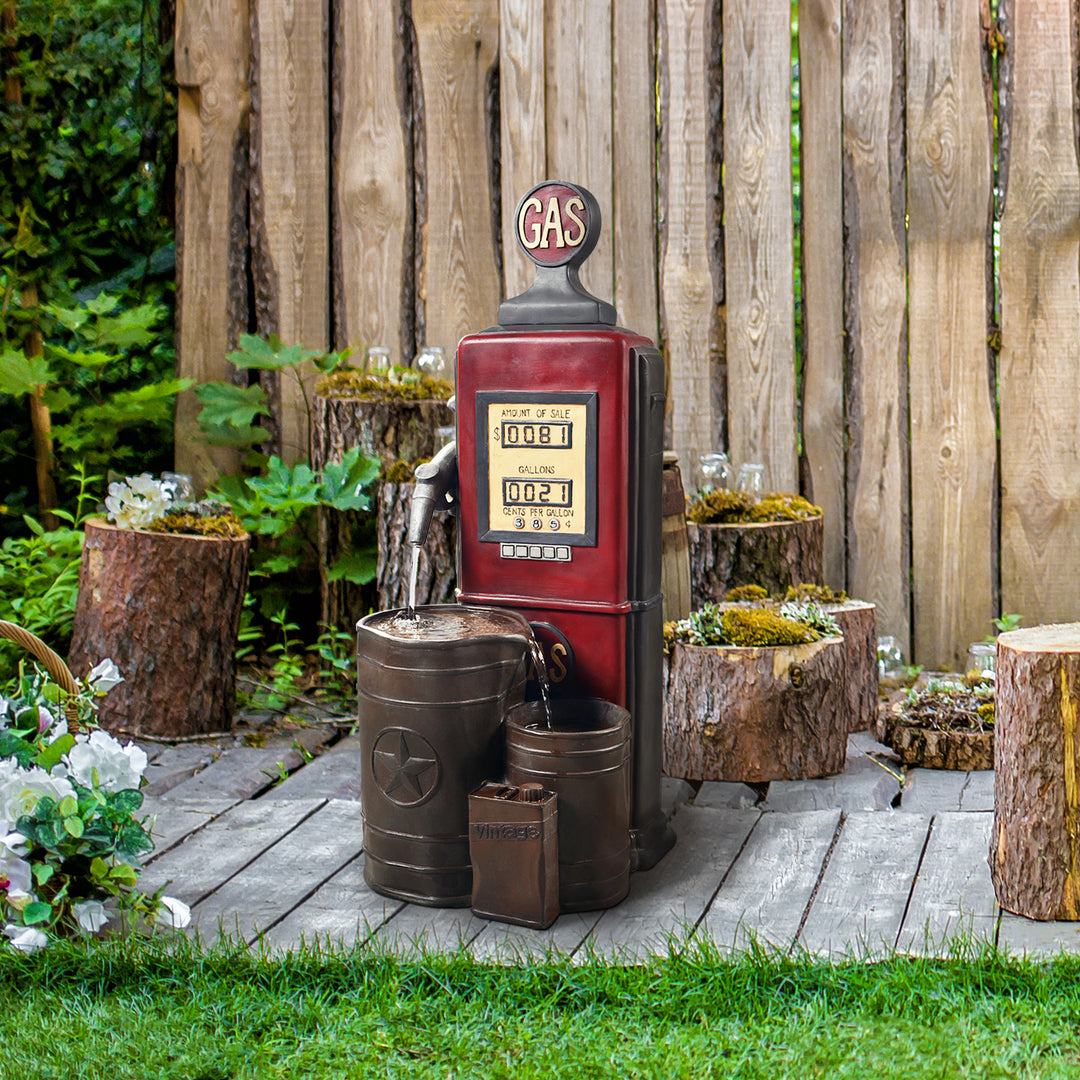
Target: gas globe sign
{"points": [[558, 224]]}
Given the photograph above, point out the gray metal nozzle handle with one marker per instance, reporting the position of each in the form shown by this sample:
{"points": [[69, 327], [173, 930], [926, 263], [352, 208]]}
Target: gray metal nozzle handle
{"points": [[436, 489]]}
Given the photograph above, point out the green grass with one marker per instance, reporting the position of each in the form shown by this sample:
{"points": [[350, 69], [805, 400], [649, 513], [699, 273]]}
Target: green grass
{"points": [[119, 1010]]}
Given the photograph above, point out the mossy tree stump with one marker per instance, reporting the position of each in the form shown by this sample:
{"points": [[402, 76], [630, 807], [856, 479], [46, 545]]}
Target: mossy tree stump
{"points": [[858, 623], [774, 554], [166, 608], [1035, 843], [755, 714], [395, 431]]}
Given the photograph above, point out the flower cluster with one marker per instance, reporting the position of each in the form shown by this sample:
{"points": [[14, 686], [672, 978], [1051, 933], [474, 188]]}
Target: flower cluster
{"points": [[139, 500], [70, 844]]}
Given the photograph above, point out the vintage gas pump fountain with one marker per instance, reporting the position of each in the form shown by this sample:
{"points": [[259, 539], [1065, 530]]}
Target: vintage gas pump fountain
{"points": [[556, 472]]}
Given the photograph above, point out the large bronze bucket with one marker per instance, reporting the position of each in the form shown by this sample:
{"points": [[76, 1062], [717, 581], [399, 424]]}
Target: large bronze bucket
{"points": [[431, 712], [585, 758]]}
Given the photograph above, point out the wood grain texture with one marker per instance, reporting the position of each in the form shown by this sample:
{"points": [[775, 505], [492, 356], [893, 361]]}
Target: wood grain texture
{"points": [[633, 219], [875, 300], [691, 266], [371, 195], [580, 139], [1040, 318], [523, 120], [1035, 845], [822, 223], [458, 288], [953, 438], [212, 56], [858, 623], [290, 212], [759, 236]]}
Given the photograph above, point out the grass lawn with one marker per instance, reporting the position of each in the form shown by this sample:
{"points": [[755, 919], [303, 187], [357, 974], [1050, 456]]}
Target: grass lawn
{"points": [[116, 1010]]}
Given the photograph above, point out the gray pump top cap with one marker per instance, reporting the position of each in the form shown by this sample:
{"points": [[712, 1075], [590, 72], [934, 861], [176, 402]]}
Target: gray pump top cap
{"points": [[570, 215]]}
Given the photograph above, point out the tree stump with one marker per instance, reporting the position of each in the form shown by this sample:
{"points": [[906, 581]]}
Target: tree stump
{"points": [[858, 623], [753, 715], [166, 608], [393, 430], [772, 554], [1035, 843]]}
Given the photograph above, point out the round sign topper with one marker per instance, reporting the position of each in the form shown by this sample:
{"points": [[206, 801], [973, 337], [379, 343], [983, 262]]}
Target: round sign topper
{"points": [[558, 224]]}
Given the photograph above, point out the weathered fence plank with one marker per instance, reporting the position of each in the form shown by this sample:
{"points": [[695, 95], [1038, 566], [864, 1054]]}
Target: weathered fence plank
{"points": [[290, 213], [213, 47], [579, 102], [691, 248], [523, 117], [633, 219], [758, 236], [1040, 317], [822, 222], [875, 297], [953, 441], [457, 287], [371, 201]]}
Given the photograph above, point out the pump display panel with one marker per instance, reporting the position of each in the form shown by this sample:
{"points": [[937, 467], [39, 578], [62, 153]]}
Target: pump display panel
{"points": [[536, 465]]}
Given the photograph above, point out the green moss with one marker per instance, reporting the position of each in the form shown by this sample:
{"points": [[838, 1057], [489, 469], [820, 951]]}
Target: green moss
{"points": [[720, 507], [820, 594], [760, 627], [185, 522], [986, 712], [399, 472], [402, 384], [782, 506], [746, 592]]}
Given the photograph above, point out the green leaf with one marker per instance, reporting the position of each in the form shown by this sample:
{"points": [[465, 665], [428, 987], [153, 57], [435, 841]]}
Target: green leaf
{"points": [[59, 399], [92, 361], [42, 872], [69, 805], [124, 873], [358, 567], [37, 911], [269, 355], [99, 869], [228, 405], [21, 374], [277, 564], [52, 753], [127, 801], [343, 484], [74, 826], [287, 488], [103, 303]]}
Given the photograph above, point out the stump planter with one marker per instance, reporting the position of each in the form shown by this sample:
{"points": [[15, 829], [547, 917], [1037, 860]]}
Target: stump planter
{"points": [[918, 746], [858, 624], [166, 608], [755, 714], [1035, 842], [775, 555]]}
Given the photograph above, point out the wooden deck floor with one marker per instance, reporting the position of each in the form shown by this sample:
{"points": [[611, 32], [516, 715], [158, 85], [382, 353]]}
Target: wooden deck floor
{"points": [[265, 842]]}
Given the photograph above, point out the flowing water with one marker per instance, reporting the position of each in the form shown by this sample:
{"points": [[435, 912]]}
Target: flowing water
{"points": [[413, 571], [540, 667], [444, 623]]}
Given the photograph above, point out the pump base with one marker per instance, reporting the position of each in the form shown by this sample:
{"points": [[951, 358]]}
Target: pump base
{"points": [[651, 843]]}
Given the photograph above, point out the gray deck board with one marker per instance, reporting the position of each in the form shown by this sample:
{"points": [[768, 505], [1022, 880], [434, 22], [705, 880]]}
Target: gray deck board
{"points": [[953, 898], [334, 774], [417, 929], [978, 793], [864, 785], [666, 902], [284, 875], [175, 764], [214, 854], [864, 892], [342, 911], [507, 943], [726, 795], [766, 892], [932, 791], [1027, 937], [175, 819]]}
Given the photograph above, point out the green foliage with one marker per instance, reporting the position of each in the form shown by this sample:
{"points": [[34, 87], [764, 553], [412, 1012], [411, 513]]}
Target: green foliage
{"points": [[1003, 624], [760, 626], [39, 578]]}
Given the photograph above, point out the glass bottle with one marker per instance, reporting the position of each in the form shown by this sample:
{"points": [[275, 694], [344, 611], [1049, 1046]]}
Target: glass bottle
{"points": [[981, 656], [890, 657], [713, 472], [378, 360], [751, 480], [431, 360]]}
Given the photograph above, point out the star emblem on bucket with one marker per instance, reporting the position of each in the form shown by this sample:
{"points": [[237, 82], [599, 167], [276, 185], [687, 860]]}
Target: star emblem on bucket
{"points": [[405, 766]]}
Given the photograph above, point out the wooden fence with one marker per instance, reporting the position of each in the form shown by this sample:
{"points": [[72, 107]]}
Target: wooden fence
{"points": [[349, 168]]}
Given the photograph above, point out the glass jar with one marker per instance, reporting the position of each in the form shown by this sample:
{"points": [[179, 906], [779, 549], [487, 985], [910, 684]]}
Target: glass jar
{"points": [[378, 360], [444, 435], [981, 656], [713, 472], [431, 360], [751, 480], [181, 486], [890, 658]]}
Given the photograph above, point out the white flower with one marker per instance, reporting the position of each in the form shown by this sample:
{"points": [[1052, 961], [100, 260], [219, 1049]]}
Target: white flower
{"points": [[98, 760], [14, 872], [139, 501], [91, 915], [104, 676], [20, 791], [179, 913], [25, 938]]}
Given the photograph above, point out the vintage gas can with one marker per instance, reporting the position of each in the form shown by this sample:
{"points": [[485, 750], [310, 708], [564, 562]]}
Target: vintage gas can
{"points": [[514, 847]]}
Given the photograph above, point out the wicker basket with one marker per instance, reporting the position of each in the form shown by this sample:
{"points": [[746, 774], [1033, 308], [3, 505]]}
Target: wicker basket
{"points": [[52, 663]]}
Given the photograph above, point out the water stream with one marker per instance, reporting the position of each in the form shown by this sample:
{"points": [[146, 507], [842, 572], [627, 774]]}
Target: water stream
{"points": [[413, 571], [540, 667]]}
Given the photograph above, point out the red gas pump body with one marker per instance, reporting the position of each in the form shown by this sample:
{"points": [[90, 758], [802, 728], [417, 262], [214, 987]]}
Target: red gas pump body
{"points": [[560, 455]]}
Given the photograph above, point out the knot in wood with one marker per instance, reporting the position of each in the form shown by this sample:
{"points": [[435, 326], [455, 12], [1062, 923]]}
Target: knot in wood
{"points": [[795, 675]]}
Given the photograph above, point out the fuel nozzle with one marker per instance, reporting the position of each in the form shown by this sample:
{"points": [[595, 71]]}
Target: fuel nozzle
{"points": [[436, 489]]}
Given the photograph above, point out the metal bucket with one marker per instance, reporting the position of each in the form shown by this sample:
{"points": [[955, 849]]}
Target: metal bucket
{"points": [[585, 758], [430, 727]]}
